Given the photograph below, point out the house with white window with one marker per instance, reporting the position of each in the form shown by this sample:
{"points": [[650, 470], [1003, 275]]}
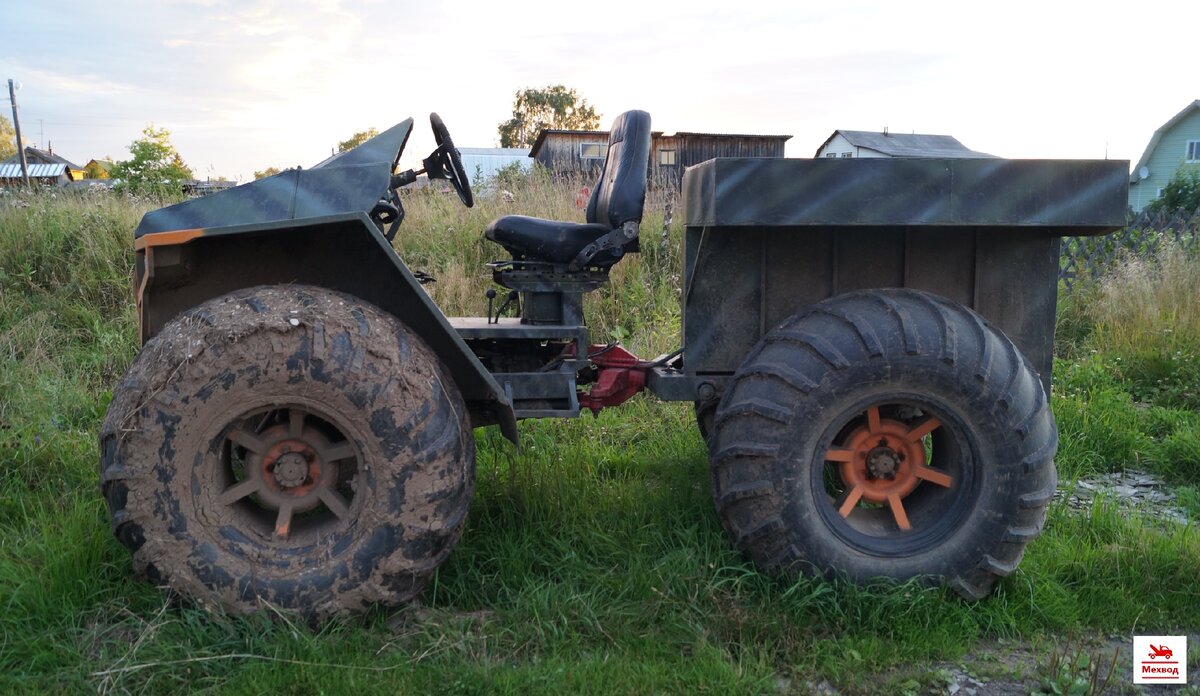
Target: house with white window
{"points": [[1175, 144], [846, 144]]}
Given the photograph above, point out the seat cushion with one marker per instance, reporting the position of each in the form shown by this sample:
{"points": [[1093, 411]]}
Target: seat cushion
{"points": [[535, 239]]}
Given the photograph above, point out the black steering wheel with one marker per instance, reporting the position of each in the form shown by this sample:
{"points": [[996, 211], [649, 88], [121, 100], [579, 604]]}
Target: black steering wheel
{"points": [[446, 162]]}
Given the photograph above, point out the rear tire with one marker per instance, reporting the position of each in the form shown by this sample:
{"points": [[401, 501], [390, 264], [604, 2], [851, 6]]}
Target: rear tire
{"points": [[885, 433], [287, 445], [705, 412]]}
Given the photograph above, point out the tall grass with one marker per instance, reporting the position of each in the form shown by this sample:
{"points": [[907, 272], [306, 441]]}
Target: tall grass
{"points": [[1150, 302], [1128, 392], [641, 303], [1147, 316], [592, 561], [66, 333]]}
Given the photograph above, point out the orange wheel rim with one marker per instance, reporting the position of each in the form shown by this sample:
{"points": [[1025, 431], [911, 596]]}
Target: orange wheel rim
{"points": [[290, 468], [882, 461]]}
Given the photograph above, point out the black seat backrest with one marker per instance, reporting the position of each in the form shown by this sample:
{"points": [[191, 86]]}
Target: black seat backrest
{"points": [[620, 193]]}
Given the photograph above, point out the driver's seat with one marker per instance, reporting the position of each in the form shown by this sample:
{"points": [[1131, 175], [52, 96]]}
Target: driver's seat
{"points": [[614, 210]]}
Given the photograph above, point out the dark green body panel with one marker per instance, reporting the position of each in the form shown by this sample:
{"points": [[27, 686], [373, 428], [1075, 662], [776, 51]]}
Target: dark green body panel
{"points": [[764, 239], [348, 182], [310, 227]]}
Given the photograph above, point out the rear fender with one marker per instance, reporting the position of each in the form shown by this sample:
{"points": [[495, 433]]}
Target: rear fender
{"points": [[179, 269]]}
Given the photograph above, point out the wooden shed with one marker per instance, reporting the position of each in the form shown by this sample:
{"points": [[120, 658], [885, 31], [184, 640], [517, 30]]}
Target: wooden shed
{"points": [[571, 150], [584, 151], [671, 154]]}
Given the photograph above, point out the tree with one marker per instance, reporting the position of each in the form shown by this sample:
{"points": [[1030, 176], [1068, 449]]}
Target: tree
{"points": [[357, 139], [155, 165], [554, 106], [1181, 194], [8, 139], [269, 171]]}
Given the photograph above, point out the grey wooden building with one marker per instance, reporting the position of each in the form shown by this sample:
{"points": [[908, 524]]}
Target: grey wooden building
{"points": [[583, 151]]}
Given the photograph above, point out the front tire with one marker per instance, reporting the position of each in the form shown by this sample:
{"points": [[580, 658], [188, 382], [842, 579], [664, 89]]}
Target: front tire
{"points": [[885, 433], [288, 445]]}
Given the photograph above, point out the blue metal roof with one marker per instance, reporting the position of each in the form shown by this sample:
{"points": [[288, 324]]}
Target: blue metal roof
{"points": [[36, 171]]}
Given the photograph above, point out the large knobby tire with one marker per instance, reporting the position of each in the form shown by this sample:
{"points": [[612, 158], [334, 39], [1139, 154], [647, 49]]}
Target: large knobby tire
{"points": [[885, 433], [288, 445]]}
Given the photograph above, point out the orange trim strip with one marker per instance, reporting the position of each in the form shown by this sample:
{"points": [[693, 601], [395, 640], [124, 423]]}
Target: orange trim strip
{"points": [[167, 238]]}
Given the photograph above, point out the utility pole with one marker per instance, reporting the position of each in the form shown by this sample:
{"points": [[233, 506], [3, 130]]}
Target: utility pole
{"points": [[12, 95]]}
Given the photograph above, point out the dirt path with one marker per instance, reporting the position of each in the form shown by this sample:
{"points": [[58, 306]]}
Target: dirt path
{"points": [[1012, 668]]}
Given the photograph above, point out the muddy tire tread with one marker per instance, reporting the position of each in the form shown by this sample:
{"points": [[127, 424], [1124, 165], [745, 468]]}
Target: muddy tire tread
{"points": [[250, 329]]}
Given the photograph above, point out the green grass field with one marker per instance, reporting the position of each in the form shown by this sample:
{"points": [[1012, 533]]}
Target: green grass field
{"points": [[593, 561]]}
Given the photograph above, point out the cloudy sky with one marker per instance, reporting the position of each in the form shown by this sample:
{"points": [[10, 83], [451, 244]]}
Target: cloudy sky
{"points": [[246, 84]]}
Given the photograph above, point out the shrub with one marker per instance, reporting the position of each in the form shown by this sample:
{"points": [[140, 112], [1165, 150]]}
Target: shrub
{"points": [[1181, 194]]}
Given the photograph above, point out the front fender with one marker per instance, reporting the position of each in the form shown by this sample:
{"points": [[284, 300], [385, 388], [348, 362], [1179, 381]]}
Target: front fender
{"points": [[179, 269]]}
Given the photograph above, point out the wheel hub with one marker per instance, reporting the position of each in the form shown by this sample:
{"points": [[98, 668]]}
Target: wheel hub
{"points": [[882, 461], [290, 468]]}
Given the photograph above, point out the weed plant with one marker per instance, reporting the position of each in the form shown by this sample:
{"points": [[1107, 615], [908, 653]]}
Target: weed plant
{"points": [[593, 561]]}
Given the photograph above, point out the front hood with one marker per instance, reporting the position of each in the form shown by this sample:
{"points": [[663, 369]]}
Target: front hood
{"points": [[351, 181]]}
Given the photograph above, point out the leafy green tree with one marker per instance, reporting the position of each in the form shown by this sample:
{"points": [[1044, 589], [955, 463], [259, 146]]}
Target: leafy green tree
{"points": [[553, 107], [1181, 194], [357, 139], [155, 165], [269, 171], [8, 139]]}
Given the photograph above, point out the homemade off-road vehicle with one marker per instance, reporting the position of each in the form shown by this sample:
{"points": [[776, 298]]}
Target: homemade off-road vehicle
{"points": [[867, 344]]}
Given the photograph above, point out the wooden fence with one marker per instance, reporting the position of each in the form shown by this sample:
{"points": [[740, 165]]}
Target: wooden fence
{"points": [[1143, 235]]}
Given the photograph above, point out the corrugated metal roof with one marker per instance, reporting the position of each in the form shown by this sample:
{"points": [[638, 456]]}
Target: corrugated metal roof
{"points": [[907, 144], [498, 151], [38, 171], [487, 161]]}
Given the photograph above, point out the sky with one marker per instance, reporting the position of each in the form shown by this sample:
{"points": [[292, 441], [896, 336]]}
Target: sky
{"points": [[247, 84]]}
